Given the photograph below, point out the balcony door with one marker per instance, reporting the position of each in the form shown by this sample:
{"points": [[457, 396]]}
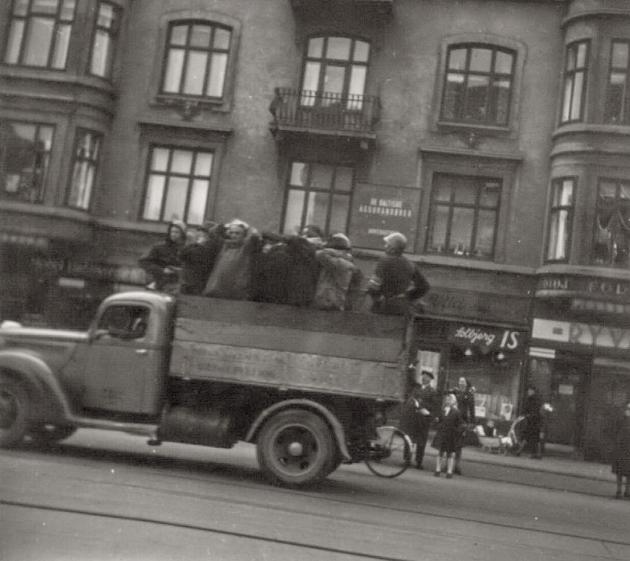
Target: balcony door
{"points": [[334, 73]]}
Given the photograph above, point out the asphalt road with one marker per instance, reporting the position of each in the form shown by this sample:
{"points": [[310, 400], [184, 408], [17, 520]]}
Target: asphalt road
{"points": [[104, 496]]}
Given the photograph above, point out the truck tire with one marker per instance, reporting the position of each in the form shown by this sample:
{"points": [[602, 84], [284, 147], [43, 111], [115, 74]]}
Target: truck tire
{"points": [[14, 412], [49, 434], [295, 448]]}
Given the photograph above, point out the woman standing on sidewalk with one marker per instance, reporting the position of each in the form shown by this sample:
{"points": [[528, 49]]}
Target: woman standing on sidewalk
{"points": [[621, 452]]}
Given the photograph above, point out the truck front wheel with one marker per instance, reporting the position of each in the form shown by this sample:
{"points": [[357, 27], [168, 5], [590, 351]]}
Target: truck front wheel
{"points": [[13, 412], [295, 448]]}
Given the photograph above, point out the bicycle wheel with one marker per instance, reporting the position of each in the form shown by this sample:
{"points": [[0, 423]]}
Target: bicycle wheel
{"points": [[390, 452]]}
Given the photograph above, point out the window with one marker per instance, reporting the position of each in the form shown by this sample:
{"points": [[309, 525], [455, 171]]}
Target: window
{"points": [[39, 33], [575, 71], [617, 108], [178, 183], [611, 246], [335, 70], [478, 85], [318, 194], [196, 60], [124, 321], [103, 45], [463, 216], [560, 219], [86, 154], [24, 155]]}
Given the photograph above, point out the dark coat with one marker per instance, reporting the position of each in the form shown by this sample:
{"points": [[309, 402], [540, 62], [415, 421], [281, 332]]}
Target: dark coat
{"points": [[339, 280], [411, 420], [449, 431], [621, 446], [395, 283], [198, 261], [162, 263], [533, 417], [466, 404]]}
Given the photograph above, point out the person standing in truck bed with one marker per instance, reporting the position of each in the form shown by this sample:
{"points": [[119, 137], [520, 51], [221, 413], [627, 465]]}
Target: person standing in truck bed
{"points": [[162, 263]]}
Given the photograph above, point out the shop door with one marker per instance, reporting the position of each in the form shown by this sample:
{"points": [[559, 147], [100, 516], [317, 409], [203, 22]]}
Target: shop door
{"points": [[567, 386]]}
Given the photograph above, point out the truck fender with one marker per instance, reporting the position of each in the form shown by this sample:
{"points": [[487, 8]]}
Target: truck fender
{"points": [[41, 384], [329, 417]]}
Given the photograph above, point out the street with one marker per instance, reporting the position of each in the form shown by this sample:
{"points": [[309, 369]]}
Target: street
{"points": [[105, 496]]}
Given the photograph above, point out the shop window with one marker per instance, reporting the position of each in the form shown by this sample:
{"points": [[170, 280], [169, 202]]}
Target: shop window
{"points": [[177, 185], [617, 108], [575, 77], [86, 156], [478, 85], [24, 155], [463, 216], [196, 60], [318, 194], [611, 246], [104, 40], [334, 72], [39, 33], [560, 219]]}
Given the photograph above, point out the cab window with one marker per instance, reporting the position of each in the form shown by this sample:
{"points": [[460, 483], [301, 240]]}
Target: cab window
{"points": [[125, 322]]}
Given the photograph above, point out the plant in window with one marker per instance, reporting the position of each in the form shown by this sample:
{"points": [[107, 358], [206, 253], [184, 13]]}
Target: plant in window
{"points": [[478, 85], [39, 33], [611, 244], [196, 60], [463, 216]]}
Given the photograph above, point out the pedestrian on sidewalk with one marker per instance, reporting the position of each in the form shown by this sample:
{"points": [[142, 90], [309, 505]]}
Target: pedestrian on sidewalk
{"points": [[621, 452], [533, 421], [419, 410], [447, 436], [465, 394]]}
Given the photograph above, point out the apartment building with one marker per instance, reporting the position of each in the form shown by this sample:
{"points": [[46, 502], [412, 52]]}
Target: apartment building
{"points": [[494, 133]]}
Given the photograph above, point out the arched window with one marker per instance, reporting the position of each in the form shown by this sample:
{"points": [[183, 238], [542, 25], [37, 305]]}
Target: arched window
{"points": [[478, 84], [196, 59]]}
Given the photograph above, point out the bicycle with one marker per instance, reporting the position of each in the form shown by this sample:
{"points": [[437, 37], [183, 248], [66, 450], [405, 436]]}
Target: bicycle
{"points": [[389, 455]]}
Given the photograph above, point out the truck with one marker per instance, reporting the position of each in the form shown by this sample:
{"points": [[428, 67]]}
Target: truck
{"points": [[305, 386]]}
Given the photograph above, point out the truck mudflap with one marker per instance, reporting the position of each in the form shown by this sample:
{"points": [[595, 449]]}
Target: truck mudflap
{"points": [[49, 401], [307, 404]]}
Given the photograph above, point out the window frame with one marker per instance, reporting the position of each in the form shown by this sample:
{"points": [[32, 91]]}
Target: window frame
{"points": [[47, 157], [493, 76], [570, 75], [617, 181], [27, 24], [168, 173], [187, 48], [433, 203], [624, 109], [96, 164], [569, 209], [308, 189], [113, 36]]}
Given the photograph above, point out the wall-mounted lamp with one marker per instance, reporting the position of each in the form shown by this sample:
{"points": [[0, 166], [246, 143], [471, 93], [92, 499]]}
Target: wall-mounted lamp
{"points": [[500, 356], [468, 352]]}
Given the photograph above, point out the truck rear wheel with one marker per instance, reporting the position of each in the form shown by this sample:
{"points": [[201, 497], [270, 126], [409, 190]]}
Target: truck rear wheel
{"points": [[14, 407], [295, 448]]}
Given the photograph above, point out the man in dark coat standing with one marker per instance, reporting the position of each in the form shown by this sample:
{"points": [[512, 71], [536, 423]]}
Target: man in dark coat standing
{"points": [[419, 410], [199, 255], [162, 264], [396, 282]]}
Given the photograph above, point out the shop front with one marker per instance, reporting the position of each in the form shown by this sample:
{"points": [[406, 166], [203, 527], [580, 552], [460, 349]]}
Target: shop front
{"points": [[579, 357], [488, 352]]}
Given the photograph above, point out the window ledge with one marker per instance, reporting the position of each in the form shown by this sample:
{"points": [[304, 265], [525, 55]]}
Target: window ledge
{"points": [[470, 152], [449, 126], [188, 107]]}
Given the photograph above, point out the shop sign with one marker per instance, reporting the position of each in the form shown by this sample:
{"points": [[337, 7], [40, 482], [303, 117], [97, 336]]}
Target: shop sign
{"points": [[88, 270], [486, 338], [575, 333], [379, 210], [565, 285]]}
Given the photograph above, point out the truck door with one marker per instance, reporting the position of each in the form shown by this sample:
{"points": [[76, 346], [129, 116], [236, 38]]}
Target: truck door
{"points": [[125, 363]]}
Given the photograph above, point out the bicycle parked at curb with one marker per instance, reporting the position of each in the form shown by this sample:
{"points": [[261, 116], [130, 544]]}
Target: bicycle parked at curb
{"points": [[389, 454]]}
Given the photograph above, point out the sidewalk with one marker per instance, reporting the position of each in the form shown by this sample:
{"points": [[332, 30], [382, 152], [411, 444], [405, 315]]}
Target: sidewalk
{"points": [[558, 460]]}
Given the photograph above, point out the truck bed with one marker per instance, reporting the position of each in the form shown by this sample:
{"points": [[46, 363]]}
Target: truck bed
{"points": [[341, 353]]}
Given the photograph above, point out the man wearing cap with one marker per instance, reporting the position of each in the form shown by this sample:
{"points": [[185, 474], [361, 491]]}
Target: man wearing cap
{"points": [[419, 411], [396, 281]]}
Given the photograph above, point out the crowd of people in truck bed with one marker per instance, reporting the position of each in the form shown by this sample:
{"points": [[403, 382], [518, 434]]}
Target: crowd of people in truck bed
{"points": [[235, 261]]}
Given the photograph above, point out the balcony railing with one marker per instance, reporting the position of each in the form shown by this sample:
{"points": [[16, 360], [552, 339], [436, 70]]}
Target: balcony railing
{"points": [[311, 111]]}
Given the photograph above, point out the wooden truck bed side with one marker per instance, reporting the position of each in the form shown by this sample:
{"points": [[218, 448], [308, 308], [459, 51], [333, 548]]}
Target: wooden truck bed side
{"points": [[339, 353]]}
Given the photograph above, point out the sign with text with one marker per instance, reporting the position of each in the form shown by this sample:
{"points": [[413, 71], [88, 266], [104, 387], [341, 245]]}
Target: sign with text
{"points": [[378, 210], [487, 338], [609, 289]]}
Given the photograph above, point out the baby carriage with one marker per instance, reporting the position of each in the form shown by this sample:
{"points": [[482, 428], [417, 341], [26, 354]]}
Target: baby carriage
{"points": [[501, 444], [516, 435]]}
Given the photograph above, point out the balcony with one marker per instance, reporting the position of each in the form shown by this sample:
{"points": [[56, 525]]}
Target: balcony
{"points": [[370, 10], [304, 112]]}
